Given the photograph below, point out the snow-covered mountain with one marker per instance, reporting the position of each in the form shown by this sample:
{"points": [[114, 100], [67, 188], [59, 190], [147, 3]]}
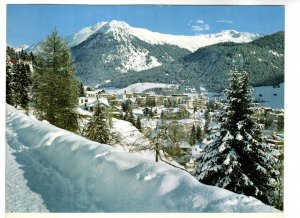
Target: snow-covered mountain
{"points": [[51, 169], [105, 49], [83, 34], [21, 47], [122, 30]]}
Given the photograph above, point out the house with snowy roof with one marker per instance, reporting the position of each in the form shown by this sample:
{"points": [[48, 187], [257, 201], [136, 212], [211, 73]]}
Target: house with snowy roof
{"points": [[89, 104]]}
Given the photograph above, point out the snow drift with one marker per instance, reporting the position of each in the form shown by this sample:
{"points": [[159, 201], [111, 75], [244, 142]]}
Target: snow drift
{"points": [[73, 174]]}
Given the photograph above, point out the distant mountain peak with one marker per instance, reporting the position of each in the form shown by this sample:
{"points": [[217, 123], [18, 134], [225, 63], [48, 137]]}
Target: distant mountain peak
{"points": [[21, 47]]}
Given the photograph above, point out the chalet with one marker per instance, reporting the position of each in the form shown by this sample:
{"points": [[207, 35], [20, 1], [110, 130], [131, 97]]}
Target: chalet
{"points": [[90, 105]]}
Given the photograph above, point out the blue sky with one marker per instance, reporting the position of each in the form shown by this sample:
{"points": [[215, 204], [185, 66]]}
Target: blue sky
{"points": [[28, 24]]}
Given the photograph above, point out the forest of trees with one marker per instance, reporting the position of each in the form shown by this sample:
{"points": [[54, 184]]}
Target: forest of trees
{"points": [[209, 66], [18, 78]]}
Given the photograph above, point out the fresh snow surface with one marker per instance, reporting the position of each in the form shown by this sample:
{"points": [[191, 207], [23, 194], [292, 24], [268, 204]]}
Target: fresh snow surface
{"points": [[62, 172], [141, 87], [83, 34], [270, 100]]}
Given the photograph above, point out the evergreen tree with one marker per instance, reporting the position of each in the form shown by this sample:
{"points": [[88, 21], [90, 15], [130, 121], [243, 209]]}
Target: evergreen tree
{"points": [[131, 118], [198, 134], [81, 90], [97, 128], [238, 160], [9, 82], [162, 115], [207, 121], [138, 124], [21, 84], [55, 88], [192, 139]]}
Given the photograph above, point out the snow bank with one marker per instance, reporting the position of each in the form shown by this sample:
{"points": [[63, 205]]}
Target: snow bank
{"points": [[73, 174]]}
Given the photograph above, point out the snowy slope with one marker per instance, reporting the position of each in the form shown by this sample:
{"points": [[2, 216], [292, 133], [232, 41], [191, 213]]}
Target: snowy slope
{"points": [[83, 34], [122, 30], [141, 87], [21, 47], [71, 174]]}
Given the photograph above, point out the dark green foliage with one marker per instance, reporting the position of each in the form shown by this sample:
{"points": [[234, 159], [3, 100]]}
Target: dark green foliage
{"points": [[192, 139], [207, 122], [239, 160], [210, 65], [55, 88], [127, 106], [199, 136], [273, 42], [9, 84], [21, 85], [18, 78], [81, 90], [98, 128], [150, 102], [138, 124]]}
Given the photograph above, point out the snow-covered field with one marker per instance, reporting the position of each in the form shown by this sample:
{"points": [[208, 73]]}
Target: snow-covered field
{"points": [[272, 97], [141, 87], [50, 169]]}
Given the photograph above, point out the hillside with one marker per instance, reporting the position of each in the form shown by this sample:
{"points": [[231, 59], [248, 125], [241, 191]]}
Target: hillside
{"points": [[209, 66], [104, 55], [63, 172], [103, 51]]}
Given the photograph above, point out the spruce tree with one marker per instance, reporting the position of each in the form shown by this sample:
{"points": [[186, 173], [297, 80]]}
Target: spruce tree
{"points": [[239, 160], [21, 84], [97, 128], [192, 139], [81, 90], [9, 80], [55, 88], [198, 134], [138, 124], [207, 121]]}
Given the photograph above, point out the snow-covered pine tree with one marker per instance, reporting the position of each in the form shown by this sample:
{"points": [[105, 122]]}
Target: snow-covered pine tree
{"points": [[9, 82], [239, 160], [97, 128], [55, 88], [192, 139], [207, 122]]}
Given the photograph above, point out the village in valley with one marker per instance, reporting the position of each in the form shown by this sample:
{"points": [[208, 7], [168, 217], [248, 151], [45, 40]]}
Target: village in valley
{"points": [[124, 117], [184, 122]]}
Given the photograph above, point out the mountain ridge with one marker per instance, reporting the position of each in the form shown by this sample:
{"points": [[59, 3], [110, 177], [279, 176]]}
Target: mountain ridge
{"points": [[209, 66]]}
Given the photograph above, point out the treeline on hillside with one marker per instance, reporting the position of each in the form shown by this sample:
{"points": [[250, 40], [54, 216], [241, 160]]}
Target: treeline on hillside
{"points": [[209, 66]]}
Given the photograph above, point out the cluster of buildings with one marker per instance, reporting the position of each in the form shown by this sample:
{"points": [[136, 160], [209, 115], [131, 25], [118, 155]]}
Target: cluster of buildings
{"points": [[172, 103]]}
